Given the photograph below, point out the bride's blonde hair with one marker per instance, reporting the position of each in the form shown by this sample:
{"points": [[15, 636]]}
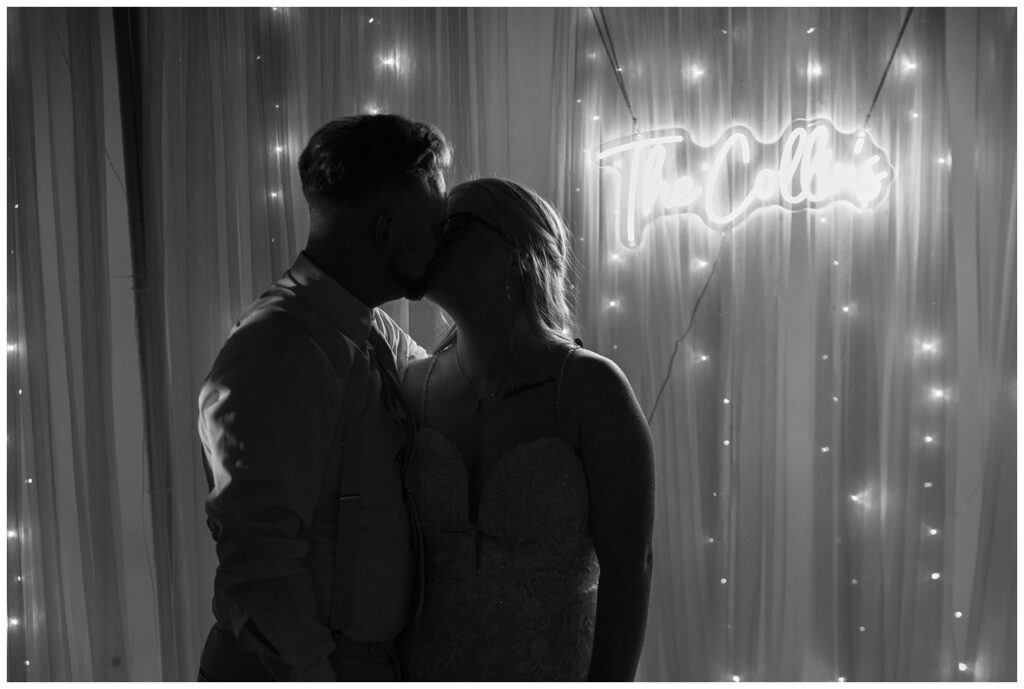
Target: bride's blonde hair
{"points": [[542, 250]]}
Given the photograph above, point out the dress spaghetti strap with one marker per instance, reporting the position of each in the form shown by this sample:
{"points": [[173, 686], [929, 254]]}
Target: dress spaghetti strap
{"points": [[426, 381], [558, 391]]}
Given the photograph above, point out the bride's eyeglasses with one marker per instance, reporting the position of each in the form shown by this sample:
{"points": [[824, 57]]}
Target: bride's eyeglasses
{"points": [[455, 225]]}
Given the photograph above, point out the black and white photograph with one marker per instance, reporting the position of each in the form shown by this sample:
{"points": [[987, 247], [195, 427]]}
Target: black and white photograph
{"points": [[511, 343]]}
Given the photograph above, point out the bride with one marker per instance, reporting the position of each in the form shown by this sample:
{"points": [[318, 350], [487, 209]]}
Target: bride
{"points": [[533, 470]]}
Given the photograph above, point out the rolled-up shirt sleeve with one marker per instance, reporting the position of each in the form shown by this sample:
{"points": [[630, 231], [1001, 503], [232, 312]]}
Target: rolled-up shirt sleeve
{"points": [[404, 348], [267, 414]]}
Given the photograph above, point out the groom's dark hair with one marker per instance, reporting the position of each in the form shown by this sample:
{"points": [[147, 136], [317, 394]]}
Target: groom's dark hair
{"points": [[348, 159]]}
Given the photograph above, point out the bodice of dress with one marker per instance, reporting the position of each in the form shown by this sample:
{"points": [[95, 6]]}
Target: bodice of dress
{"points": [[510, 595]]}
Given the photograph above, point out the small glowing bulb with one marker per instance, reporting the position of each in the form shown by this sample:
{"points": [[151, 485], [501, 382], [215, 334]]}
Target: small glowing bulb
{"points": [[855, 498], [840, 679], [835, 263], [703, 357], [928, 346], [19, 391], [616, 257], [11, 533], [962, 667], [854, 582], [273, 194], [696, 72], [938, 393], [711, 540], [825, 449], [17, 205], [929, 439], [277, 106], [13, 621], [909, 66], [824, 357], [835, 399], [863, 629], [941, 161], [814, 70], [726, 443], [613, 303], [27, 663], [12, 348], [579, 100], [371, 20], [825, 220], [725, 581], [28, 480], [810, 30], [596, 118], [701, 263], [279, 149], [846, 309], [958, 614], [724, 32], [928, 484], [725, 401], [936, 576], [915, 115], [19, 578], [933, 532], [390, 62]]}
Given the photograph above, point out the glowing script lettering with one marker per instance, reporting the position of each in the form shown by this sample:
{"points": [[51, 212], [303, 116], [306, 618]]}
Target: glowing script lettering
{"points": [[810, 165]]}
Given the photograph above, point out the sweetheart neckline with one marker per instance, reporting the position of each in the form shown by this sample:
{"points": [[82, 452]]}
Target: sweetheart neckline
{"points": [[486, 480]]}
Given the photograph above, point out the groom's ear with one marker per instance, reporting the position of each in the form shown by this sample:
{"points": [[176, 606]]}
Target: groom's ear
{"points": [[384, 232]]}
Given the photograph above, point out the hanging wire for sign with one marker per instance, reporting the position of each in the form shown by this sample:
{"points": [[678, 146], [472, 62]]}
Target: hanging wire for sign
{"points": [[885, 73], [609, 47]]}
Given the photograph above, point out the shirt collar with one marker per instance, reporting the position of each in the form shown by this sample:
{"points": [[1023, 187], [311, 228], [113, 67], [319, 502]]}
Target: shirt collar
{"points": [[345, 310]]}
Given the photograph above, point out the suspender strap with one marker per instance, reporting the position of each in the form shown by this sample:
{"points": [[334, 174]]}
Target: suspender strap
{"points": [[345, 541]]}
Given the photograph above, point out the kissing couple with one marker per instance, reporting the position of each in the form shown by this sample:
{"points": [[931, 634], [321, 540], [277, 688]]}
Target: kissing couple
{"points": [[380, 512]]}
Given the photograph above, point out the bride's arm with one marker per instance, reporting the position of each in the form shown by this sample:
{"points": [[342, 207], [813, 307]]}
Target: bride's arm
{"points": [[617, 451]]}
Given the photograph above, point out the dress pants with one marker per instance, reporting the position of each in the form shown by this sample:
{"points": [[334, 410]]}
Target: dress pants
{"points": [[224, 661]]}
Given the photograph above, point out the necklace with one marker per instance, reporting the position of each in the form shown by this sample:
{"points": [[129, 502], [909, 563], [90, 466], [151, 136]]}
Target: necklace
{"points": [[479, 398]]}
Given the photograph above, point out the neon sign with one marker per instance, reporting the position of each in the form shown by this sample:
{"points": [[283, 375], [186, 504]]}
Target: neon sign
{"points": [[810, 165]]}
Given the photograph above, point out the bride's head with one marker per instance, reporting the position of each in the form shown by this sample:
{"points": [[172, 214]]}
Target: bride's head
{"points": [[506, 253]]}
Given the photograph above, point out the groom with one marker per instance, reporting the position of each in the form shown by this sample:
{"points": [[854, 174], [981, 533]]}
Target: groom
{"points": [[304, 432]]}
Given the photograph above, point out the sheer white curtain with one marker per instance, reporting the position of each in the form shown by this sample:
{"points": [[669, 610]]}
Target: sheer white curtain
{"points": [[114, 559], [81, 589], [813, 499]]}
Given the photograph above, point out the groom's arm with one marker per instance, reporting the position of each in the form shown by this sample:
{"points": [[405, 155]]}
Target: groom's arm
{"points": [[266, 419], [402, 345]]}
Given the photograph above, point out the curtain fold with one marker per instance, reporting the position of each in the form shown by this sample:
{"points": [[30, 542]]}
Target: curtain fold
{"points": [[835, 434]]}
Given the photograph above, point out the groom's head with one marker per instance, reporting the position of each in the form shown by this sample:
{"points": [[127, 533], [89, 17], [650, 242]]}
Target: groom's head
{"points": [[375, 188]]}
